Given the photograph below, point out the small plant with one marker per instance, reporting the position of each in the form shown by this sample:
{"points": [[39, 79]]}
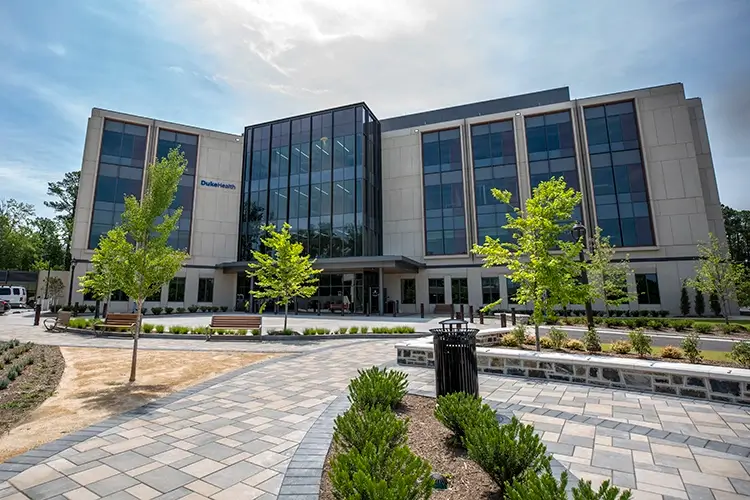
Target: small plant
{"points": [[575, 345], [203, 308], [4, 383], [592, 341], [640, 322], [355, 428], [654, 313], [622, 347], [224, 308], [672, 352], [364, 329], [309, 331], [518, 334], [215, 309], [146, 327], [177, 330], [255, 331], [546, 343], [193, 309], [460, 411], [156, 310], [377, 388], [342, 330], [159, 328], [507, 341], [242, 331], [700, 303], [353, 329], [529, 340], [507, 453], [703, 328], [643, 314], [557, 337], [691, 347], [90, 308], [606, 491], [168, 310], [741, 354], [641, 342], [288, 331], [180, 310], [680, 325], [323, 331]]}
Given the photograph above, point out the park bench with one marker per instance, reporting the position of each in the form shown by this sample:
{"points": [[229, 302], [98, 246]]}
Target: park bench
{"points": [[59, 323], [118, 322], [235, 323]]}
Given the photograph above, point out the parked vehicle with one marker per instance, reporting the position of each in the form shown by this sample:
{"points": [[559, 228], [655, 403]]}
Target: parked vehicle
{"points": [[4, 306], [14, 295]]}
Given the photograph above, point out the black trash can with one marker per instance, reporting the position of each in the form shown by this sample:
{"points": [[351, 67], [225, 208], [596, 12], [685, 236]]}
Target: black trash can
{"points": [[455, 358]]}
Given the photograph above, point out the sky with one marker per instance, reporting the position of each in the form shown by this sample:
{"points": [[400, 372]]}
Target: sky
{"points": [[225, 64]]}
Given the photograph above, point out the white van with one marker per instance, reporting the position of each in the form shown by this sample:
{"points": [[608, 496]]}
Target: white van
{"points": [[15, 295]]}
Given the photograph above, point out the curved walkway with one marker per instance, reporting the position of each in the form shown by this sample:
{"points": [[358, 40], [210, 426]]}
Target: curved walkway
{"points": [[238, 436]]}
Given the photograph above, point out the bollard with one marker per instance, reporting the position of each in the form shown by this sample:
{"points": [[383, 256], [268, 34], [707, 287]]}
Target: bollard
{"points": [[421, 310], [461, 310], [367, 309], [37, 313], [513, 317], [342, 308], [96, 309], [275, 308], [75, 310], [453, 313], [395, 309], [471, 314], [317, 306], [503, 320], [481, 317]]}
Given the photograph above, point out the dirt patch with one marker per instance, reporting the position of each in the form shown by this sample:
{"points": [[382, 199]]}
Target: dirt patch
{"points": [[95, 386], [36, 383], [428, 439]]}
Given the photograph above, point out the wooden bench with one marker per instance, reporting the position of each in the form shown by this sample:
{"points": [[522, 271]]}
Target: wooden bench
{"points": [[59, 323], [235, 323], [118, 321]]}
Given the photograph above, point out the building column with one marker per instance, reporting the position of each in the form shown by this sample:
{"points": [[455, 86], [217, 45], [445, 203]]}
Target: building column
{"points": [[381, 299]]}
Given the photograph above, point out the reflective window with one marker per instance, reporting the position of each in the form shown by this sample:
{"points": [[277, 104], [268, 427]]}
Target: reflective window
{"points": [[459, 291], [551, 149], [617, 174], [436, 289], [409, 291], [188, 145], [205, 289], [122, 160], [490, 290], [445, 225], [176, 290], [494, 156], [512, 290], [647, 287]]}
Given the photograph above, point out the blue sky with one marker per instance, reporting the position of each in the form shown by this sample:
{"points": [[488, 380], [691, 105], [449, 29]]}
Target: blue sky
{"points": [[223, 64]]}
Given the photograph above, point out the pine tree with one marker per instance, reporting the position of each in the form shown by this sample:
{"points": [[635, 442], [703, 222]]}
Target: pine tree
{"points": [[684, 301], [700, 303]]}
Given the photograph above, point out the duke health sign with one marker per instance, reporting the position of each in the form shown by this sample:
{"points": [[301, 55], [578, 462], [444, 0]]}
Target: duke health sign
{"points": [[213, 184]]}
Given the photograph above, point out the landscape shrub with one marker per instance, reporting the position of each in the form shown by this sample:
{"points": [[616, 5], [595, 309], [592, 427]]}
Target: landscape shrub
{"points": [[242, 331], [703, 328], [356, 427], [156, 310], [547, 487], [551, 320], [180, 310], [592, 341], [91, 308], [731, 328], [215, 308], [376, 388], [310, 331], [507, 453], [518, 334], [364, 329], [691, 347], [4, 383], [204, 308], [193, 309], [671, 352], [529, 339], [680, 325], [255, 331], [353, 329], [78, 323], [640, 322], [557, 337], [575, 345], [622, 347], [288, 331], [641, 342], [643, 314], [168, 310], [740, 354], [460, 411], [507, 340], [323, 331], [224, 309], [342, 330], [146, 327], [159, 328], [663, 313], [613, 322], [546, 343], [654, 313], [654, 325]]}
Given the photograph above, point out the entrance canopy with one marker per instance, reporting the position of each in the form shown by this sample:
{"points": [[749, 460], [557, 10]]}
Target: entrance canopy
{"points": [[388, 263]]}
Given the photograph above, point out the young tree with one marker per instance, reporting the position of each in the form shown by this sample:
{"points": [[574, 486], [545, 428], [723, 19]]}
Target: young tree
{"points": [[284, 274], [53, 287], [684, 301], [700, 303], [717, 275], [145, 259], [544, 266], [108, 267], [65, 192], [608, 279]]}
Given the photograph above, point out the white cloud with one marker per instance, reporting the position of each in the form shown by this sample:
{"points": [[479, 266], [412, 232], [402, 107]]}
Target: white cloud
{"points": [[57, 49]]}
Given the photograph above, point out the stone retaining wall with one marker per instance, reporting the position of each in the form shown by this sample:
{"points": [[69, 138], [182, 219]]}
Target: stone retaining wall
{"points": [[730, 385]]}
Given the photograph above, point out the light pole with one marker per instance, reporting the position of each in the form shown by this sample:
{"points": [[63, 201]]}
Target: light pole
{"points": [[579, 231], [72, 275]]}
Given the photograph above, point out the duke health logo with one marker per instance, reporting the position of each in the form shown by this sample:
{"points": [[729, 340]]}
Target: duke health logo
{"points": [[221, 185]]}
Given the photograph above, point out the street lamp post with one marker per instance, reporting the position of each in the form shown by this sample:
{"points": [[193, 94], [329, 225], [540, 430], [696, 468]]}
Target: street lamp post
{"points": [[72, 275], [579, 231]]}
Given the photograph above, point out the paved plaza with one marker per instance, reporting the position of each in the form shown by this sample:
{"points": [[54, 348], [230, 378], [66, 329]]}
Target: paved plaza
{"points": [[258, 432]]}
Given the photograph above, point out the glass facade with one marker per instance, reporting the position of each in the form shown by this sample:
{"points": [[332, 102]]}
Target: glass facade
{"points": [[205, 290], [176, 292], [321, 174], [436, 288], [512, 287], [490, 290], [459, 291], [493, 148], [188, 145], [647, 287], [408, 291], [445, 224], [551, 148], [122, 159], [618, 176]]}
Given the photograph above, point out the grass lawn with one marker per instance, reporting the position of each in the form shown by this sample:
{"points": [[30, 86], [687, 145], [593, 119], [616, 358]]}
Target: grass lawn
{"points": [[718, 321], [707, 355]]}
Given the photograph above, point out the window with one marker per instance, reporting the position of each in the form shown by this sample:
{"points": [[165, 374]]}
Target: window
{"points": [[176, 290], [436, 288], [188, 145], [459, 291], [647, 286], [490, 290], [4, 290], [445, 225], [119, 296], [408, 291], [16, 291], [617, 173], [512, 290], [205, 290], [493, 149]]}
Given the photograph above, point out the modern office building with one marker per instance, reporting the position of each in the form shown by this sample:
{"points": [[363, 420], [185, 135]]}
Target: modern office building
{"points": [[391, 207]]}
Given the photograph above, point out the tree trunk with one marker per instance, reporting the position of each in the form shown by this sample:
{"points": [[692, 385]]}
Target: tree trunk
{"points": [[536, 333], [135, 341], [286, 313], [725, 308]]}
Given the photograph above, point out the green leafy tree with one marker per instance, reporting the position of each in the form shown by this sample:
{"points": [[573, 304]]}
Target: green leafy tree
{"points": [[715, 304], [700, 303], [18, 244], [64, 193], [737, 225], [684, 301], [145, 260], [743, 289], [53, 288], [717, 275], [48, 243], [108, 267], [608, 278], [544, 266], [283, 274]]}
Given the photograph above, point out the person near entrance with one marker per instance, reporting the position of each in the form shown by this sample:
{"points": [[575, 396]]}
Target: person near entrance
{"points": [[346, 303]]}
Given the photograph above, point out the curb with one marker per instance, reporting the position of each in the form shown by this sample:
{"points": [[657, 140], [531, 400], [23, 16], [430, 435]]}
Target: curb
{"points": [[253, 338]]}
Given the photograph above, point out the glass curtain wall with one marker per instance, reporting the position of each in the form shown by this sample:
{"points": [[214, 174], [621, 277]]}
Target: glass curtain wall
{"points": [[122, 159], [493, 149], [618, 176], [321, 173], [188, 145]]}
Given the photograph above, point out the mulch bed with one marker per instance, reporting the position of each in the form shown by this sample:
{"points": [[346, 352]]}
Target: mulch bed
{"points": [[430, 440], [36, 383]]}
